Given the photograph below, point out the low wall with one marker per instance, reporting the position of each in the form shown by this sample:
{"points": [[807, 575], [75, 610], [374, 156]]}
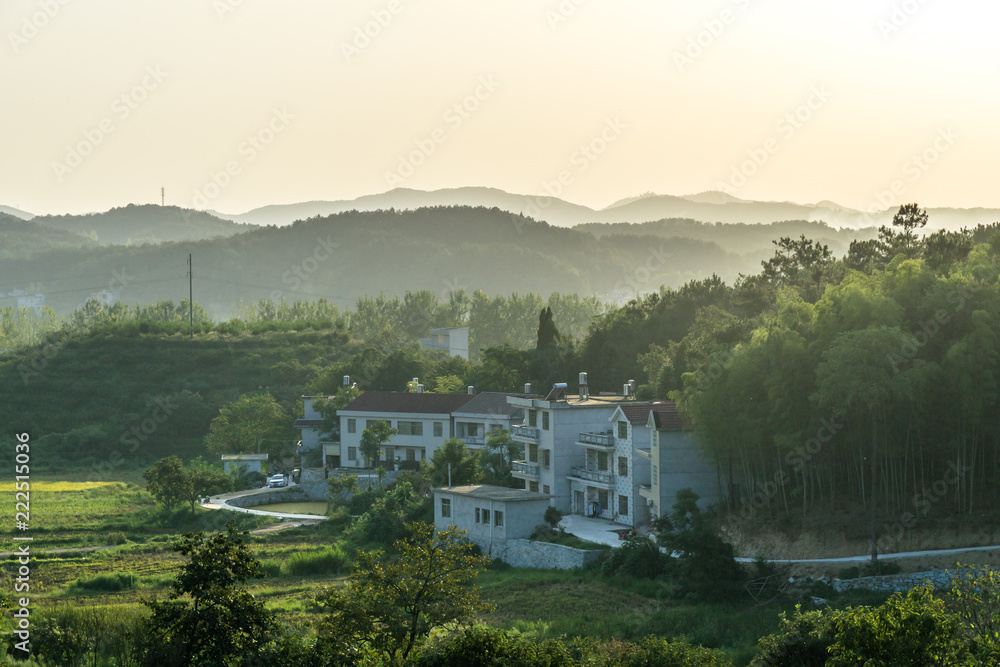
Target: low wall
{"points": [[540, 555], [892, 583], [268, 498]]}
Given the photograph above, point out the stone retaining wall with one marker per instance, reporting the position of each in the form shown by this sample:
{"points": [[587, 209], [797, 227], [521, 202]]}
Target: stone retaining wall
{"points": [[541, 555], [268, 498], [892, 583]]}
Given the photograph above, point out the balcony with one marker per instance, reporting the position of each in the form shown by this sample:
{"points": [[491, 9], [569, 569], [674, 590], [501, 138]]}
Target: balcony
{"points": [[526, 433], [646, 491], [602, 477], [473, 439], [525, 469], [599, 441], [644, 453]]}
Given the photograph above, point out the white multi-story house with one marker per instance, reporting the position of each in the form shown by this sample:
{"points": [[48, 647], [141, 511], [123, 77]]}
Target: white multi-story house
{"points": [[315, 446], [455, 341], [486, 413], [676, 463], [567, 447]]}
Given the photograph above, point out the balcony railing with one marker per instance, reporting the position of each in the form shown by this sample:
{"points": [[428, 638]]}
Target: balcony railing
{"points": [[599, 476], [601, 439], [526, 432], [524, 468], [646, 491], [473, 439]]}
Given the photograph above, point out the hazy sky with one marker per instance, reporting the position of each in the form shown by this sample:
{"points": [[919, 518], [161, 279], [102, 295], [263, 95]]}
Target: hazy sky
{"points": [[234, 104]]}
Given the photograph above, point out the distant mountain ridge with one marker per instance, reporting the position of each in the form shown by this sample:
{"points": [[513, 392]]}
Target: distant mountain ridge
{"points": [[17, 213], [710, 207], [21, 238]]}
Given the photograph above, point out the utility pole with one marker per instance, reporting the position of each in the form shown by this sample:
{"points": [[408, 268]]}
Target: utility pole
{"points": [[163, 196], [190, 296]]}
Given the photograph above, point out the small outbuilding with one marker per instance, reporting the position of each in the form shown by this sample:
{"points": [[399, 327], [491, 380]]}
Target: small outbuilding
{"points": [[490, 515]]}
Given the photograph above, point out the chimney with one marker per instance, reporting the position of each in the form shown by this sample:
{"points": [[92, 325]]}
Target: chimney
{"points": [[584, 389]]}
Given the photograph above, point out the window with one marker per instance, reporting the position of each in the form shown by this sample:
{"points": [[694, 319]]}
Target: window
{"points": [[423, 454], [602, 460], [472, 430], [477, 516], [371, 422], [446, 508], [533, 453], [494, 428], [437, 429], [622, 430], [545, 489], [545, 458], [656, 476], [486, 516], [545, 421], [411, 455], [533, 486], [602, 499], [410, 428], [352, 425], [498, 519], [623, 466], [532, 418], [352, 453], [623, 505]]}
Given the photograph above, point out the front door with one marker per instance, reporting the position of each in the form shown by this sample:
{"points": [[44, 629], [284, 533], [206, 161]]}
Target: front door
{"points": [[578, 502]]}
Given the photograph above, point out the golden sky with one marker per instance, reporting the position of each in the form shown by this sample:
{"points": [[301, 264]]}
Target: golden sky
{"points": [[234, 104]]}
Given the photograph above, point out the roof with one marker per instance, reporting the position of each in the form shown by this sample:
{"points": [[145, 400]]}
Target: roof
{"points": [[391, 401], [637, 413], [488, 403], [302, 422], [490, 492], [244, 457], [668, 417]]}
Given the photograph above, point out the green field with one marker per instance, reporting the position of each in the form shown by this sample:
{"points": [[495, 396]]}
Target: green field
{"points": [[294, 508]]}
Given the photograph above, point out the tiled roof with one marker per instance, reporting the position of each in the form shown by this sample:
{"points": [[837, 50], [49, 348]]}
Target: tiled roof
{"points": [[637, 413], [668, 417], [391, 401], [488, 403]]}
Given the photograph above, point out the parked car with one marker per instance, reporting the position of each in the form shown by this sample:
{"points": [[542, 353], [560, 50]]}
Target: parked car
{"points": [[276, 481]]}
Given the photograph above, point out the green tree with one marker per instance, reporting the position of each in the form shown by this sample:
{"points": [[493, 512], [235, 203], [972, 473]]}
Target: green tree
{"points": [[207, 482], [372, 439], [390, 606], [209, 620], [249, 422], [548, 334], [496, 460], [169, 482], [463, 465]]}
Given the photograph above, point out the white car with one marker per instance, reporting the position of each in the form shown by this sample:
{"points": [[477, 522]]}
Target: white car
{"points": [[275, 481]]}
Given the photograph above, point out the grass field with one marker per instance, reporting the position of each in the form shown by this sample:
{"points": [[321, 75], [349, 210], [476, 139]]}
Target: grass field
{"points": [[294, 508]]}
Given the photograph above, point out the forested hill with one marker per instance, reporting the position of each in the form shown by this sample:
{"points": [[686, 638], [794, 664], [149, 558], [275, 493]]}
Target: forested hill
{"points": [[135, 225], [738, 237], [348, 255], [21, 238]]}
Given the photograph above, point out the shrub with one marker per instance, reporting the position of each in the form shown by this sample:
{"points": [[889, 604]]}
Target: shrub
{"points": [[488, 647], [331, 560], [107, 583], [552, 517], [655, 652], [639, 557], [802, 641]]}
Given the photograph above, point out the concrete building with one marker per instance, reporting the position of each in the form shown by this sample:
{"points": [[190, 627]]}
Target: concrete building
{"points": [[676, 463], [424, 422], [454, 341], [490, 515], [486, 413], [312, 449], [568, 448]]}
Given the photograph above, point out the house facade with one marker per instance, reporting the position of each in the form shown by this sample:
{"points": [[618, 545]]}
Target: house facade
{"points": [[311, 448], [454, 341], [488, 412], [676, 462], [490, 515]]}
